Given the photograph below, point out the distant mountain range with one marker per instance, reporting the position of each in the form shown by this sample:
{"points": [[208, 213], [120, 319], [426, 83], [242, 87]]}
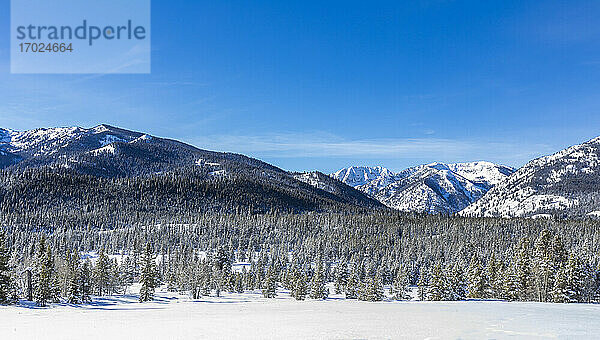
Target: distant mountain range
{"points": [[79, 170], [430, 188]]}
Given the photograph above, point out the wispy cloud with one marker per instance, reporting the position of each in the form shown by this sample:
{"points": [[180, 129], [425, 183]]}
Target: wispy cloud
{"points": [[316, 145]]}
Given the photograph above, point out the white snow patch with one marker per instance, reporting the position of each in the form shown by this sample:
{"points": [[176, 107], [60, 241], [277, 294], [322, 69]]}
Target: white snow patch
{"points": [[109, 150], [143, 138], [202, 162], [250, 316], [109, 139]]}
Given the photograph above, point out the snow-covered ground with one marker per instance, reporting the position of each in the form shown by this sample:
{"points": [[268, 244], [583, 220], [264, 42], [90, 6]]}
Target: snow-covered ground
{"points": [[250, 316]]}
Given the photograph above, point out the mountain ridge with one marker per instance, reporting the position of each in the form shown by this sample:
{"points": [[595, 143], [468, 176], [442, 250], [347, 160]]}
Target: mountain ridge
{"points": [[431, 188], [168, 171], [563, 184]]}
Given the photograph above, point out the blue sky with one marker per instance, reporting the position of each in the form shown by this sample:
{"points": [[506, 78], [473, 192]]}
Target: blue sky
{"points": [[323, 85]]}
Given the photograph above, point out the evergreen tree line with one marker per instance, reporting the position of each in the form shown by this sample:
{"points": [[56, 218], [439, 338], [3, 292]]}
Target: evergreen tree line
{"points": [[447, 258]]}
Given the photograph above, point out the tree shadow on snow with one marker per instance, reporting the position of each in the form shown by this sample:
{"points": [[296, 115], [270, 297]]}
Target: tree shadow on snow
{"points": [[102, 302]]}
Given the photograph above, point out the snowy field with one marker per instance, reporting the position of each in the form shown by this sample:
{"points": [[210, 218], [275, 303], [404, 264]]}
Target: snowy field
{"points": [[250, 316]]}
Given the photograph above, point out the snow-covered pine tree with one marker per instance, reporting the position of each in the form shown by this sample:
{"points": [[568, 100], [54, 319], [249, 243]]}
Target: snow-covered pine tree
{"points": [[543, 267], [239, 283], [127, 273], [423, 284], [222, 260], [437, 287], [457, 287], [206, 278], [523, 270], [510, 284], [318, 289], [102, 273], [74, 284], [560, 291], [493, 274], [148, 275], [575, 279], [559, 253], [230, 282], [6, 284], [300, 289], [352, 285], [590, 283], [114, 282], [372, 290], [401, 283], [341, 278], [45, 288], [218, 281], [270, 285], [476, 279], [85, 281]]}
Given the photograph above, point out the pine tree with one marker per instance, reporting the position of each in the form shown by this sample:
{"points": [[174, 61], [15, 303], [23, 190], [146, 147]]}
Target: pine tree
{"points": [[74, 284], [102, 274], [543, 265], [222, 260], [45, 287], [239, 283], [128, 270], [300, 288], [352, 285], [206, 274], [126, 277], [493, 273], [476, 279], [523, 271], [148, 275], [372, 290], [341, 278], [437, 286], [422, 284], [510, 284], [401, 283], [560, 291], [270, 285], [85, 282], [318, 290], [456, 286], [6, 282], [575, 279]]}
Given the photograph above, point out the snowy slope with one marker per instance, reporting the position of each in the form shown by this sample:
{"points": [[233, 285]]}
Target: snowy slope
{"points": [[431, 188], [566, 184]]}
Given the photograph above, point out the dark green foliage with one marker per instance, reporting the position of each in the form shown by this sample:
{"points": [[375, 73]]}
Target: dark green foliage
{"points": [[7, 285], [477, 281], [318, 290], [269, 288], [148, 275], [401, 283]]}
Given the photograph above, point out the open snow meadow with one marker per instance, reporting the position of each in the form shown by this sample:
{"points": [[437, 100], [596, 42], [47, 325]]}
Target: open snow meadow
{"points": [[250, 316]]}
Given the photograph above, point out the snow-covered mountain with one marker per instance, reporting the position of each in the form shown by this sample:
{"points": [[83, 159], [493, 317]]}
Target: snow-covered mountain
{"points": [[565, 184], [361, 175], [431, 188], [226, 180]]}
